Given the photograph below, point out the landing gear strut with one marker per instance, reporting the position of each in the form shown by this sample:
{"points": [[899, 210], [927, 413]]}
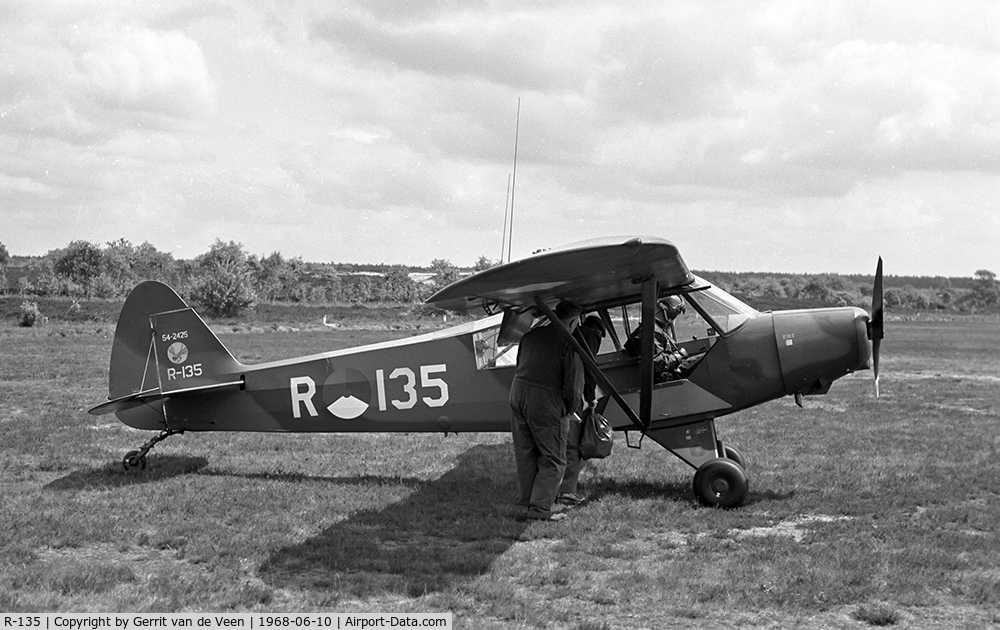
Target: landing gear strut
{"points": [[720, 478], [135, 461]]}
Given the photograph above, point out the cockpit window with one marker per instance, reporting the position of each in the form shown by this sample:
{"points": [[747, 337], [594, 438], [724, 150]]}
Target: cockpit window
{"points": [[489, 353], [725, 312]]}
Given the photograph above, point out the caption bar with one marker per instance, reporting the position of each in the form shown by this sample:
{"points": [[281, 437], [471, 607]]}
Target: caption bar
{"points": [[249, 621]]}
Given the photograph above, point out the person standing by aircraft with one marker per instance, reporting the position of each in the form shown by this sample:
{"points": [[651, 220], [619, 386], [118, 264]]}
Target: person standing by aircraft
{"points": [[547, 387], [589, 334]]}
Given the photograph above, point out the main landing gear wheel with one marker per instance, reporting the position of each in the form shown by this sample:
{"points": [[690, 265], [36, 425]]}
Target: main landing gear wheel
{"points": [[134, 461], [736, 456], [721, 482]]}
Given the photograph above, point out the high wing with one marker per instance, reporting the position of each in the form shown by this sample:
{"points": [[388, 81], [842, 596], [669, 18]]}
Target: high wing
{"points": [[591, 273], [594, 274]]}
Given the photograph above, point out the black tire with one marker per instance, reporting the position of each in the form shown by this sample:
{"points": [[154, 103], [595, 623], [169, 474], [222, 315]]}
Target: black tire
{"points": [[134, 462], [721, 482], [735, 455]]}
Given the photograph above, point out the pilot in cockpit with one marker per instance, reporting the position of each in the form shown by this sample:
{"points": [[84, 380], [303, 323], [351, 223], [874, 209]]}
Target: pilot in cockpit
{"points": [[670, 308], [667, 356]]}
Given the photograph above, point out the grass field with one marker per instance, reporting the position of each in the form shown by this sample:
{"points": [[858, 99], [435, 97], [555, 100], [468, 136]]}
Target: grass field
{"points": [[863, 511]]}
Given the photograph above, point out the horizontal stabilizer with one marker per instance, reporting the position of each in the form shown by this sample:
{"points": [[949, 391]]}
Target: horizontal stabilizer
{"points": [[149, 397], [126, 402]]}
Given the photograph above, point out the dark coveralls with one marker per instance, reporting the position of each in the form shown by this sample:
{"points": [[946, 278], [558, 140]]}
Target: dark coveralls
{"points": [[548, 384], [590, 338]]}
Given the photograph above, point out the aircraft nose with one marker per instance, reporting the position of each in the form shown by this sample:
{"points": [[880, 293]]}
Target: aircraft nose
{"points": [[818, 346], [861, 320]]}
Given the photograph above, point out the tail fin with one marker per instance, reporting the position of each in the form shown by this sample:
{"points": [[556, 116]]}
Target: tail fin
{"points": [[162, 347], [131, 356]]}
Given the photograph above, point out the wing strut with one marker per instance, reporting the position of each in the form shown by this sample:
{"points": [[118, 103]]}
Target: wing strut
{"points": [[591, 365], [648, 323]]}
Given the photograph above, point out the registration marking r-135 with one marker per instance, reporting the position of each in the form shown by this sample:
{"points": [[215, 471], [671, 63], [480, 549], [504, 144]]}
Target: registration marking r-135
{"points": [[428, 383]]}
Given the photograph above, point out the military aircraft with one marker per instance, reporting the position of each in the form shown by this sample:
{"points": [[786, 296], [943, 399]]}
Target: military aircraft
{"points": [[170, 373]]}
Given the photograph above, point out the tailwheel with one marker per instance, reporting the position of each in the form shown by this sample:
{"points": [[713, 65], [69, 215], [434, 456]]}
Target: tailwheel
{"points": [[134, 461], [721, 482]]}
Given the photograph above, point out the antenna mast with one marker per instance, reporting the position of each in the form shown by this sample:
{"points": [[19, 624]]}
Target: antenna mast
{"points": [[506, 204], [513, 184]]}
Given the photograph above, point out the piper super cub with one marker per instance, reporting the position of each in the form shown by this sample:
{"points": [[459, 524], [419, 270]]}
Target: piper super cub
{"points": [[170, 373]]}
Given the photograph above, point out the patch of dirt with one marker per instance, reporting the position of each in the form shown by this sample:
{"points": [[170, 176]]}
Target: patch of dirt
{"points": [[796, 528]]}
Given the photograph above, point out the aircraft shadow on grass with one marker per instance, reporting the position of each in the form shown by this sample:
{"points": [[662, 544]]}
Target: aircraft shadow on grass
{"points": [[165, 467], [638, 489], [292, 477], [112, 475], [448, 530]]}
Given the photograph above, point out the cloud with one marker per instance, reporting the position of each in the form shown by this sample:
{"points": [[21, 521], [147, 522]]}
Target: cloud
{"points": [[141, 70], [90, 105], [526, 50], [83, 79], [378, 175], [367, 128], [765, 102], [886, 106]]}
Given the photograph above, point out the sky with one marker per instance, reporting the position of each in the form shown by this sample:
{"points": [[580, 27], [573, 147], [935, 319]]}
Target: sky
{"points": [[791, 136]]}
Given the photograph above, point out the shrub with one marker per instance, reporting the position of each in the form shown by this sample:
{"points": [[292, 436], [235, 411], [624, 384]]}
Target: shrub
{"points": [[227, 287], [876, 614], [30, 315]]}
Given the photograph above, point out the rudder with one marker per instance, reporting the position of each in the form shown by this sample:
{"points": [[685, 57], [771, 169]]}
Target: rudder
{"points": [[188, 354]]}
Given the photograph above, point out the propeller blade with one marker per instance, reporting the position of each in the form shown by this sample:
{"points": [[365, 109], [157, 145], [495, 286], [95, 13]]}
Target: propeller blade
{"points": [[875, 349], [877, 321]]}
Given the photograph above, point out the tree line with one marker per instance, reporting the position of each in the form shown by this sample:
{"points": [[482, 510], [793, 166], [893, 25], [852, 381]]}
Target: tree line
{"points": [[981, 293], [227, 280]]}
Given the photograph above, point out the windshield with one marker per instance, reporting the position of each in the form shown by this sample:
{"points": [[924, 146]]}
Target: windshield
{"points": [[725, 312]]}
